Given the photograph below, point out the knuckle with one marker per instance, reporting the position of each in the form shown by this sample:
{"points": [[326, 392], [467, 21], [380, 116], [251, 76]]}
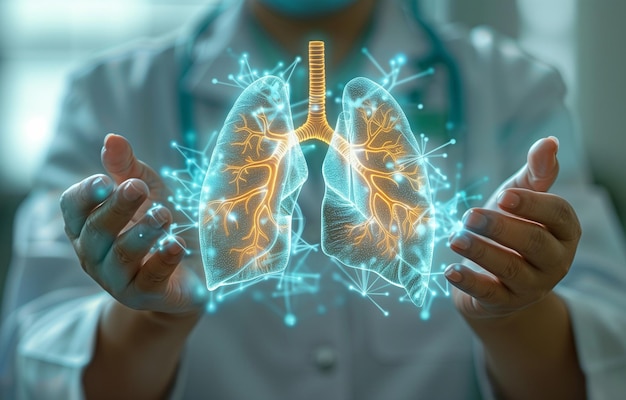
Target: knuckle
{"points": [[510, 269], [498, 227], [63, 200], [535, 241], [154, 278], [117, 210], [529, 204], [479, 252], [69, 233], [84, 265], [562, 270], [91, 229], [122, 255], [489, 293], [562, 214]]}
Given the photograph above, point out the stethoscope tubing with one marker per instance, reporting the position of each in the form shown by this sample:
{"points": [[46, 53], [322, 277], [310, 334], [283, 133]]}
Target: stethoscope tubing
{"points": [[439, 56]]}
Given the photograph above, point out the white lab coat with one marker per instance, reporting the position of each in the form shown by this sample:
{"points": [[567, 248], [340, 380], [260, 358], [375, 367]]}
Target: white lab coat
{"points": [[244, 350]]}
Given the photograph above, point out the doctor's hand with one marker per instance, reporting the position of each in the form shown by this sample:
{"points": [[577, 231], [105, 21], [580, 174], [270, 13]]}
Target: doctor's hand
{"points": [[114, 225], [524, 239]]}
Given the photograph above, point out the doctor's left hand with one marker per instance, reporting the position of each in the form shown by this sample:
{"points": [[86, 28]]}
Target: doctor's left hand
{"points": [[524, 239]]}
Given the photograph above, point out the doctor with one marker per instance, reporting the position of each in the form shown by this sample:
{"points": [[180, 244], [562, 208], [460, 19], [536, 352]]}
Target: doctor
{"points": [[537, 313]]}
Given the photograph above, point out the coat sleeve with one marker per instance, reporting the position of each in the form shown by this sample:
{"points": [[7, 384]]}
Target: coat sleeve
{"points": [[50, 313], [51, 306]]}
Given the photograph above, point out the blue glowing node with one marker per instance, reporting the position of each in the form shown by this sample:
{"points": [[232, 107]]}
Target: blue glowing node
{"points": [[290, 320]]}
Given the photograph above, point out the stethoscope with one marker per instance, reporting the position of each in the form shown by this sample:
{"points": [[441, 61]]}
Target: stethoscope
{"points": [[439, 56]]}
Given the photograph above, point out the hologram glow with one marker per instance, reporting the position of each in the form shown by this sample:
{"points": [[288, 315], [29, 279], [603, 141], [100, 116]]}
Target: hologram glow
{"points": [[379, 222]]}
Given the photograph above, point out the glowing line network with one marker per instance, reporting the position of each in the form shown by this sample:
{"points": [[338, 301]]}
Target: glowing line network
{"points": [[259, 172]]}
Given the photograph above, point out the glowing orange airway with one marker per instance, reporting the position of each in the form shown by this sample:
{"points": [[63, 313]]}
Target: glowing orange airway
{"points": [[316, 125]]}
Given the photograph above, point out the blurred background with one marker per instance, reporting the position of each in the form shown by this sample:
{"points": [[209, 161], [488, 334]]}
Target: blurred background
{"points": [[42, 40]]}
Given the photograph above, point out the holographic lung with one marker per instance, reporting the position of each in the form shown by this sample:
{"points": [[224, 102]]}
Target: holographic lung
{"points": [[376, 212], [249, 192]]}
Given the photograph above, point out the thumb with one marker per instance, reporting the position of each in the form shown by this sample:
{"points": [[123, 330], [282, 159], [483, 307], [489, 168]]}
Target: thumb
{"points": [[121, 164], [542, 167], [539, 173]]}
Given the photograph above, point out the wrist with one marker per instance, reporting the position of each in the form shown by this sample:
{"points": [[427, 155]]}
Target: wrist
{"points": [[144, 325], [550, 301]]}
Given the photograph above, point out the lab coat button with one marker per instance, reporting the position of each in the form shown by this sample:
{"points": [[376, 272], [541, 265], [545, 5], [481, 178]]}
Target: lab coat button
{"points": [[325, 358]]}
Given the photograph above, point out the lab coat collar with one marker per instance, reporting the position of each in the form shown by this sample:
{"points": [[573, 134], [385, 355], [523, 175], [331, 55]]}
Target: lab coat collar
{"points": [[233, 32]]}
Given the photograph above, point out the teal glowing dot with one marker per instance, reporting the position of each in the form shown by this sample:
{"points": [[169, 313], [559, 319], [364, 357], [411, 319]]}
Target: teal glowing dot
{"points": [[101, 193], [421, 230], [420, 106], [211, 308], [290, 320]]}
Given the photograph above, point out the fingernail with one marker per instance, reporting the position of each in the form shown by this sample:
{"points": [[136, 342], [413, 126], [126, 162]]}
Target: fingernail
{"points": [[131, 191], [453, 273], [172, 247], [460, 240], [474, 220], [101, 188], [508, 199], [556, 140], [108, 136], [159, 217]]}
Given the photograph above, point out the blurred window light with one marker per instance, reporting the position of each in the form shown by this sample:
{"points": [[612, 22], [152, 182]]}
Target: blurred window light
{"points": [[40, 42]]}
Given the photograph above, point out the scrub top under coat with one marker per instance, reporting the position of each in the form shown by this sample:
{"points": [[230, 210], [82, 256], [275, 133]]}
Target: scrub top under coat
{"points": [[350, 350]]}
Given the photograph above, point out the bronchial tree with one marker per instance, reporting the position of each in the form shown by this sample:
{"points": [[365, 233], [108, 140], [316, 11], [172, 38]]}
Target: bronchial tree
{"points": [[377, 210]]}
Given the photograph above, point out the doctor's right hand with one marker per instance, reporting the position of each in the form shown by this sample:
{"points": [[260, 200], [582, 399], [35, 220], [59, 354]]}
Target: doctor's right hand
{"points": [[113, 226]]}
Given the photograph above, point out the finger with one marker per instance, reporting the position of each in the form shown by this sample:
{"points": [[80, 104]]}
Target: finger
{"points": [[550, 210], [120, 162], [542, 167], [482, 287], [505, 264], [540, 171], [155, 273], [107, 221], [126, 254], [534, 242], [80, 199]]}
